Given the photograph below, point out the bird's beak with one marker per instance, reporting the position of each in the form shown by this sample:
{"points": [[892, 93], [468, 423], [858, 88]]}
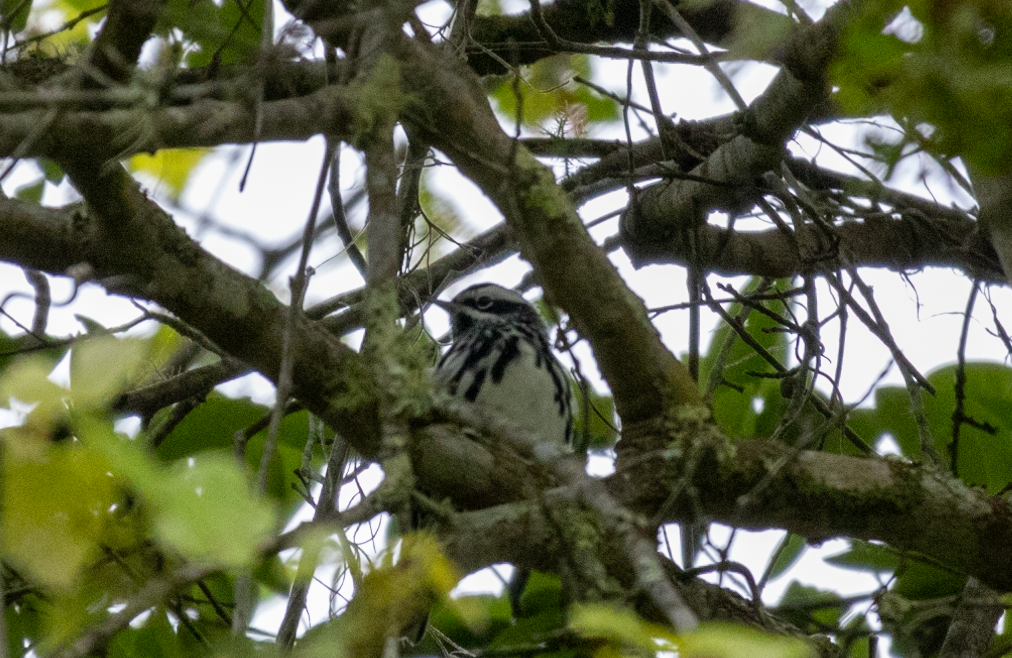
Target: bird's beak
{"points": [[446, 306]]}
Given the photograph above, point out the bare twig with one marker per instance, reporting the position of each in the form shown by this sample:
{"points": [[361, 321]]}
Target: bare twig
{"points": [[243, 595], [958, 414], [43, 300], [705, 58], [914, 380], [326, 506], [780, 369], [340, 217]]}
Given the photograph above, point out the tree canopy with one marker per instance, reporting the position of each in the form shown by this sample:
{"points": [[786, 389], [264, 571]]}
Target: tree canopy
{"points": [[164, 535]]}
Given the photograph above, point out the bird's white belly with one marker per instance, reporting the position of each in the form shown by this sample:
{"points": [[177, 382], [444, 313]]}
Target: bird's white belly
{"points": [[525, 399]]}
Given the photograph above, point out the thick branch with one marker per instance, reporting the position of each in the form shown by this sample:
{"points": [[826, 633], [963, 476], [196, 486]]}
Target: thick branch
{"points": [[450, 110], [725, 180], [907, 243], [152, 258], [972, 628], [516, 40], [197, 382], [118, 133], [128, 24], [817, 495]]}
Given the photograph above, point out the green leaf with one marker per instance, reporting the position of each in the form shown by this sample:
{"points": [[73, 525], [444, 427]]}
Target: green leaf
{"points": [[154, 639], [31, 192], [810, 608], [543, 593], [54, 511], [619, 626], [550, 100], [720, 640], [28, 380], [599, 411], [483, 618], [213, 426], [984, 459], [229, 33], [919, 580], [204, 509], [51, 170], [91, 326], [754, 410], [24, 624], [865, 556], [14, 15], [952, 77], [101, 367], [786, 554], [9, 347], [172, 168]]}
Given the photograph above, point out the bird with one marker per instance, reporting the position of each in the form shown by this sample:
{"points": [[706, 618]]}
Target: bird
{"points": [[501, 363]]}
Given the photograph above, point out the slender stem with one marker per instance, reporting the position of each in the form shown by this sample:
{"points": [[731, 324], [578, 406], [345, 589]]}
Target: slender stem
{"points": [[959, 414], [326, 505]]}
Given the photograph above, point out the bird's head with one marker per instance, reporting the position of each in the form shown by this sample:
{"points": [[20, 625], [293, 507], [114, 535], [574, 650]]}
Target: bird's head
{"points": [[488, 303]]}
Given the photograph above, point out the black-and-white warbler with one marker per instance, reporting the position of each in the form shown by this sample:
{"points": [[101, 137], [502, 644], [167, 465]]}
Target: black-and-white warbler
{"points": [[502, 362]]}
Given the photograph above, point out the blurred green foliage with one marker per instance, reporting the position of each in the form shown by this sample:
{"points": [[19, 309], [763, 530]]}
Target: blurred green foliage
{"points": [[550, 101], [942, 69]]}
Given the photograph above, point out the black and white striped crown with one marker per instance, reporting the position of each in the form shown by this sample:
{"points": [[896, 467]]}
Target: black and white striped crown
{"points": [[490, 303]]}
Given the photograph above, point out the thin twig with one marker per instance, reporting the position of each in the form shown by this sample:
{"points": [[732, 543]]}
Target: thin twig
{"points": [[664, 127], [735, 567], [880, 331], [43, 300], [913, 379], [340, 216], [68, 25], [958, 414], [716, 375], [815, 401], [243, 597], [707, 61], [326, 506]]}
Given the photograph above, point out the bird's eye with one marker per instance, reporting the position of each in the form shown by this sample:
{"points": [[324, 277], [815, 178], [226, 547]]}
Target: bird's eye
{"points": [[483, 303]]}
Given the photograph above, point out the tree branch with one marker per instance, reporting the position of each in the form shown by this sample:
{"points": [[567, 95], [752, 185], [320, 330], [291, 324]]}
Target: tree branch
{"points": [[116, 133], [128, 24], [907, 242], [817, 495], [151, 258], [451, 112], [516, 39], [726, 179]]}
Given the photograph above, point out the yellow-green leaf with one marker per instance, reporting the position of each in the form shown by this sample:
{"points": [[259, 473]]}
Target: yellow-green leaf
{"points": [[100, 367], [730, 641], [620, 626], [204, 509], [54, 510], [171, 167]]}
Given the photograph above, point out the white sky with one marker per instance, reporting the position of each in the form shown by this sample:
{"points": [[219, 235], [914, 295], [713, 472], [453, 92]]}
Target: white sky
{"points": [[924, 313]]}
